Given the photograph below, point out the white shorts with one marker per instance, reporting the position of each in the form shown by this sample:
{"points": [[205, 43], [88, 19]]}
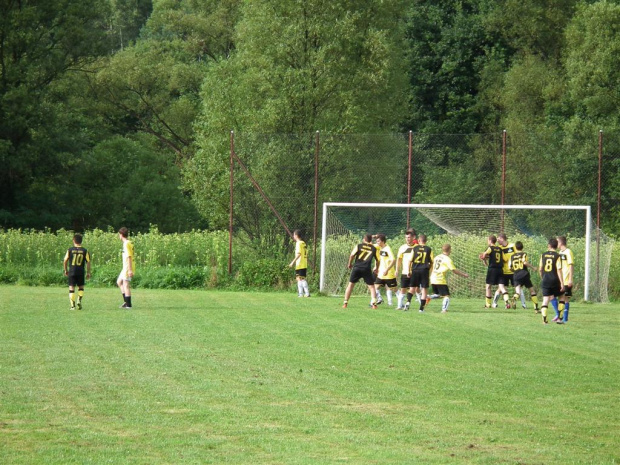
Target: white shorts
{"points": [[123, 276]]}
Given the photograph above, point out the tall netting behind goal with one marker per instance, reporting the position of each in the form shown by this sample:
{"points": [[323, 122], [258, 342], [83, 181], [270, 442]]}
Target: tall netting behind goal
{"points": [[466, 228]]}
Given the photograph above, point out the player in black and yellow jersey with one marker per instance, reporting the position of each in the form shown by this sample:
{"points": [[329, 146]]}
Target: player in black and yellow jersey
{"points": [[360, 264], [76, 265], [492, 258], [403, 262], [419, 270], [507, 278], [551, 273], [519, 264]]}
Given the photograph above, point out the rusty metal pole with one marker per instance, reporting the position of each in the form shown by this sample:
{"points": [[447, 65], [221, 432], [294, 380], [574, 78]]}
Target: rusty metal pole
{"points": [[230, 208], [503, 178], [598, 206], [316, 199], [409, 176]]}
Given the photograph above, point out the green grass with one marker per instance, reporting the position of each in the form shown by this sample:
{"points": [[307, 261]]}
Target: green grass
{"points": [[221, 377]]}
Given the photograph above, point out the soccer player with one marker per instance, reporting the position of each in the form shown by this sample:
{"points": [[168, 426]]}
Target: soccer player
{"points": [[386, 275], [492, 258], [76, 258], [442, 263], [360, 264], [403, 261], [519, 265], [124, 279], [507, 278], [551, 273], [419, 270], [300, 262], [567, 273]]}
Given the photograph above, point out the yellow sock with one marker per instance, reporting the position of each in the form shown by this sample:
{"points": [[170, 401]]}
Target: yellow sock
{"points": [[488, 301], [80, 294], [72, 298], [535, 300], [506, 297], [561, 307]]}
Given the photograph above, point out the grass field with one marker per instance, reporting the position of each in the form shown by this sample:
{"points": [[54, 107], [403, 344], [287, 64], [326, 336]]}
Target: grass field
{"points": [[221, 377]]}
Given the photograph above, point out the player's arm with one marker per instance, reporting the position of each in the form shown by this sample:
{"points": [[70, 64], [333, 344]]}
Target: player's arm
{"points": [[529, 265], [352, 257], [130, 261], [64, 263], [569, 281], [460, 273], [540, 267], [377, 258], [297, 257], [399, 264], [559, 271], [484, 255], [87, 265]]}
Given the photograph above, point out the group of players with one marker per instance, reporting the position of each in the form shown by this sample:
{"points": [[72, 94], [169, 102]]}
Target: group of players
{"points": [[77, 268], [507, 265], [416, 265]]}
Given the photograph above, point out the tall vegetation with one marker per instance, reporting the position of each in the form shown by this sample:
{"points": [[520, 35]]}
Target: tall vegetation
{"points": [[118, 112]]}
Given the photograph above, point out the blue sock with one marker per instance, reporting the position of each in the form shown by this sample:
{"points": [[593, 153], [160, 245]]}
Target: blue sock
{"points": [[554, 304], [566, 305]]}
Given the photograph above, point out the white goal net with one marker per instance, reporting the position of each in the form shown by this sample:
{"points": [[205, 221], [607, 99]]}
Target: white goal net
{"points": [[466, 228]]}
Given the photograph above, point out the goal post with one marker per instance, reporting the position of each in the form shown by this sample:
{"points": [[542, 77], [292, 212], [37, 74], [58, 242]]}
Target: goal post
{"points": [[467, 227]]}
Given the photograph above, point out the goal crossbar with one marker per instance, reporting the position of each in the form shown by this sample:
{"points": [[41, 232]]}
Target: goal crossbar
{"points": [[586, 209]]}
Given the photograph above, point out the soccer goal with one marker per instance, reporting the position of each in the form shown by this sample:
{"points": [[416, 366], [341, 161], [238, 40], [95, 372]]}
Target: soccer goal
{"points": [[466, 228]]}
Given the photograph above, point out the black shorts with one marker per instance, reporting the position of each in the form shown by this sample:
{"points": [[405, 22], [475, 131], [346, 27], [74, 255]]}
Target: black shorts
{"points": [[405, 281], [494, 276], [391, 283], [301, 272], [441, 289], [524, 280], [568, 291], [76, 280], [420, 278], [548, 291], [360, 273], [507, 279]]}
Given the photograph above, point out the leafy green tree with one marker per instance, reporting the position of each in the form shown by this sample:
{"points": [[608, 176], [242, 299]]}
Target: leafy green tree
{"points": [[297, 67], [41, 41]]}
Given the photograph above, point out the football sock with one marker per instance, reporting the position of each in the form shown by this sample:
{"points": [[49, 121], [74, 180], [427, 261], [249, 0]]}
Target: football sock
{"points": [[304, 285], [522, 295], [554, 304], [561, 309], [379, 295], [496, 297], [535, 300], [487, 301], [543, 310], [400, 297], [566, 305], [422, 304], [388, 294], [80, 295], [505, 296], [409, 297], [72, 298], [445, 304], [300, 288], [128, 300]]}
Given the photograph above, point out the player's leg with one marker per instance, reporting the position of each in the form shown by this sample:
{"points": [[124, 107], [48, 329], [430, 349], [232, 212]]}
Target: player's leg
{"points": [[488, 296], [72, 297], [567, 296], [544, 307], [534, 298], [347, 294]]}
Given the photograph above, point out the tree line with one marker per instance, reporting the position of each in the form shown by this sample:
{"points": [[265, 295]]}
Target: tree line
{"points": [[118, 111]]}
